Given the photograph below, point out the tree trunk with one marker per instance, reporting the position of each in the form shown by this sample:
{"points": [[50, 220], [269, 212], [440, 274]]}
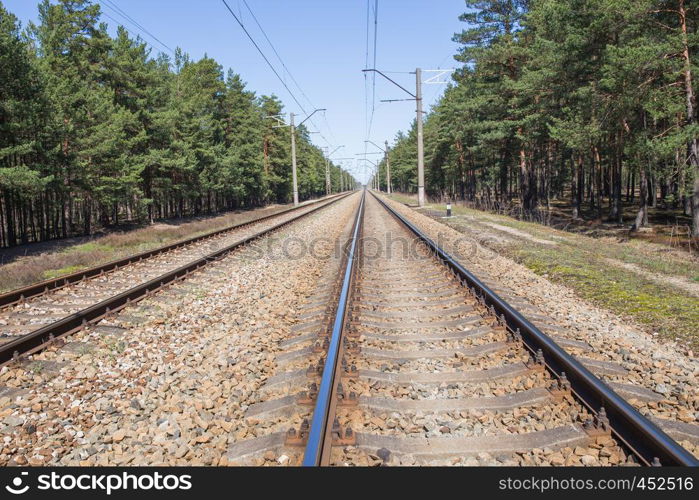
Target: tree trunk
{"points": [[67, 215], [527, 182], [547, 175], [574, 187], [148, 191], [693, 146], [87, 210], [596, 198], [629, 185], [11, 240], [642, 215], [504, 175], [615, 195]]}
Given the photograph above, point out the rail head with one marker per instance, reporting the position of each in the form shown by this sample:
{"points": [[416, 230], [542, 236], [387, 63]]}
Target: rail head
{"points": [[319, 436], [641, 435]]}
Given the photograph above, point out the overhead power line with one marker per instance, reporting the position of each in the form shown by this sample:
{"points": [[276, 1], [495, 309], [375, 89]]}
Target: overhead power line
{"points": [[277, 54], [288, 72], [264, 56], [376, 32], [120, 12], [269, 63], [370, 121]]}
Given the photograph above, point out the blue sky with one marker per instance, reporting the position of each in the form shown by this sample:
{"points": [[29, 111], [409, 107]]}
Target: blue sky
{"points": [[323, 44]]}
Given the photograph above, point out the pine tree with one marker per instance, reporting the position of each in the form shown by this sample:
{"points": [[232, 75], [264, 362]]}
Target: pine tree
{"points": [[568, 98], [94, 129], [22, 113]]}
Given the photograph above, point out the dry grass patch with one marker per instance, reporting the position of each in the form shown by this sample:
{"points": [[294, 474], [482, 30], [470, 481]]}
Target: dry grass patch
{"points": [[28, 270]]}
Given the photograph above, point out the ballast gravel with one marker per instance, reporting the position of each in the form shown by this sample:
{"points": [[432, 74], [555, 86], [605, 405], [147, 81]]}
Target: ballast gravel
{"points": [[167, 381]]}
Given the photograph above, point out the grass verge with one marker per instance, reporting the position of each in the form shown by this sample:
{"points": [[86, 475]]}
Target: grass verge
{"points": [[27, 270], [582, 263], [662, 309]]}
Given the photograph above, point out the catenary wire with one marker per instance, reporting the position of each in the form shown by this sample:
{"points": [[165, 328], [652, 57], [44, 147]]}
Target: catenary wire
{"points": [[119, 11]]}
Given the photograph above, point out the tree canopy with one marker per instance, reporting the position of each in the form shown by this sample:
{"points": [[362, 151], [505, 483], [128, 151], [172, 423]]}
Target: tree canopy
{"points": [[587, 99], [96, 129]]}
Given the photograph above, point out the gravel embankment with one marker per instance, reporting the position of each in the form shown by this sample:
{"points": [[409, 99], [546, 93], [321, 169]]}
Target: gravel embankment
{"points": [[29, 315], [169, 382], [668, 372], [423, 395], [27, 264]]}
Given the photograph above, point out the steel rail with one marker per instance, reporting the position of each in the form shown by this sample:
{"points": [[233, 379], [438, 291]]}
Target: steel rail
{"points": [[42, 287], [317, 450], [35, 340], [642, 436]]}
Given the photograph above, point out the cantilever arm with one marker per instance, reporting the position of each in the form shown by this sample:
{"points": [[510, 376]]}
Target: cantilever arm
{"points": [[393, 82], [314, 112]]}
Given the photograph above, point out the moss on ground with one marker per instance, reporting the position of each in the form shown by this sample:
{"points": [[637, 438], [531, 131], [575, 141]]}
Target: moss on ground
{"points": [[402, 198], [580, 263], [661, 309], [56, 273], [651, 257]]}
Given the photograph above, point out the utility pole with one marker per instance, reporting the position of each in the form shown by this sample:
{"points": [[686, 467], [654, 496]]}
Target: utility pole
{"points": [[327, 171], [328, 182], [388, 170], [292, 127], [417, 97], [375, 177], [344, 183], [293, 160], [420, 141], [388, 163]]}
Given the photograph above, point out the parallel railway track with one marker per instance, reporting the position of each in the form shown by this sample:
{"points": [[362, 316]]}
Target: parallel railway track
{"points": [[36, 315], [400, 356], [412, 356]]}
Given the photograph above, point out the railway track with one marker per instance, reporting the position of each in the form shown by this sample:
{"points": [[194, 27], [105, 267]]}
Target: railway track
{"points": [[34, 316], [407, 358]]}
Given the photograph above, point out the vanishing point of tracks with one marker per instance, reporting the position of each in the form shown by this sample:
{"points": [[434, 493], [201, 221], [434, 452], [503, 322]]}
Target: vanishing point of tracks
{"points": [[37, 315], [410, 355]]}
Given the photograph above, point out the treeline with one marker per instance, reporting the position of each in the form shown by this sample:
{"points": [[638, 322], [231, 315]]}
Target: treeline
{"points": [[94, 131], [591, 101]]}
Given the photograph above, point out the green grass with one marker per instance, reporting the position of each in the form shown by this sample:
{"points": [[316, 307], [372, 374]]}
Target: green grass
{"points": [[651, 257], [36, 368], [401, 198], [52, 264], [662, 309], [580, 263], [659, 264], [55, 273]]}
